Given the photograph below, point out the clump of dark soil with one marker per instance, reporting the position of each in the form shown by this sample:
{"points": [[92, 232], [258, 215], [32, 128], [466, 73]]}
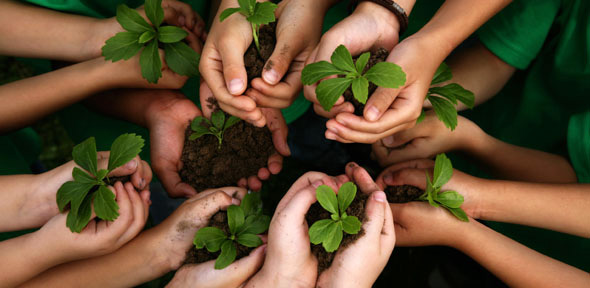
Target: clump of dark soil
{"points": [[317, 212], [114, 179], [219, 220], [255, 61], [402, 194], [378, 56]]}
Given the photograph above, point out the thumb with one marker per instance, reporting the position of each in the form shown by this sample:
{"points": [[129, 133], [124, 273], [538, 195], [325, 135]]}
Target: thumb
{"points": [[379, 102], [278, 64], [244, 268], [375, 212], [412, 177], [278, 127], [128, 169]]}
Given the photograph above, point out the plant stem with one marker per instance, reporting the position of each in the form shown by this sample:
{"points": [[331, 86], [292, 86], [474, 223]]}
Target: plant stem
{"points": [[255, 35]]}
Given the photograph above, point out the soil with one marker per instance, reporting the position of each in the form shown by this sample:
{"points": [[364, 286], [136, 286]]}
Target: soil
{"points": [[218, 220], [255, 61], [378, 56], [114, 179], [316, 212], [402, 194]]}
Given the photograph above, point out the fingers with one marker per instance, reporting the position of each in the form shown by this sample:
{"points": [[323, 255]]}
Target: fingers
{"points": [[342, 133], [168, 173], [236, 193], [413, 177], [244, 268], [142, 178], [379, 102], [254, 183], [375, 211], [315, 179], [278, 64], [388, 236], [279, 129], [140, 213], [293, 214], [126, 212], [234, 71], [361, 177]]}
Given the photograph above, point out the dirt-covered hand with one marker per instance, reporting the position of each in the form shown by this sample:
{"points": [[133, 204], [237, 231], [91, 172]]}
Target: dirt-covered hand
{"points": [[425, 140]]}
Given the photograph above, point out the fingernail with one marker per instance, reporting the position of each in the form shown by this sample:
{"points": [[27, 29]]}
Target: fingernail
{"points": [[379, 196], [271, 76], [235, 201], [235, 86], [388, 141], [317, 183], [181, 20], [372, 113], [387, 178], [131, 164], [330, 135]]}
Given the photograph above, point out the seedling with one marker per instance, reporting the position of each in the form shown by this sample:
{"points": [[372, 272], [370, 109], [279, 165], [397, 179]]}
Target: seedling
{"points": [[216, 126], [139, 34], [256, 13], [244, 221], [89, 187], [450, 200], [329, 232]]}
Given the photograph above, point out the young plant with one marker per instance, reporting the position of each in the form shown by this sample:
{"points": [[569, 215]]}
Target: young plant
{"points": [[329, 232], [256, 13], [451, 200], [139, 34], [89, 187], [216, 126], [244, 221], [382, 74]]}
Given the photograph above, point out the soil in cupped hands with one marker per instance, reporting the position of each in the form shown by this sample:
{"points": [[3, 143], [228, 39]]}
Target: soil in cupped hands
{"points": [[378, 56], [402, 193]]}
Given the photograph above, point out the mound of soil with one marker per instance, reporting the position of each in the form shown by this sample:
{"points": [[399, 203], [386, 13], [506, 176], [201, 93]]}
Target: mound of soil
{"points": [[317, 212], [402, 194], [255, 61], [218, 220], [379, 56]]}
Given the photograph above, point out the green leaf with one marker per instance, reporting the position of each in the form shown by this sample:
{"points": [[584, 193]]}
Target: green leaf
{"points": [[346, 195], [231, 121], [105, 206], [72, 192], [459, 213], [351, 225], [77, 221], [84, 155], [361, 62], [151, 65], [197, 124], [83, 177], [197, 135], [228, 12], [251, 204], [182, 59], [360, 89], [318, 231], [124, 149], [210, 237], [455, 92], [327, 198], [443, 170], [247, 6], [227, 256], [442, 74], [101, 174], [315, 72], [218, 118], [333, 237], [123, 45], [131, 21], [329, 90], [445, 111], [235, 218], [249, 240], [430, 190], [264, 13], [146, 36], [342, 59], [421, 117], [450, 199], [387, 75], [255, 224], [171, 34], [154, 11]]}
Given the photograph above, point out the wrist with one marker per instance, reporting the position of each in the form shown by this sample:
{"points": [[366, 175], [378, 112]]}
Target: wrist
{"points": [[100, 31], [266, 278], [471, 138], [387, 21]]}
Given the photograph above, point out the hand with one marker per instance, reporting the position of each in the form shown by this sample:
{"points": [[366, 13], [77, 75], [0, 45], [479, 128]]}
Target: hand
{"points": [[360, 264], [427, 139], [288, 258]]}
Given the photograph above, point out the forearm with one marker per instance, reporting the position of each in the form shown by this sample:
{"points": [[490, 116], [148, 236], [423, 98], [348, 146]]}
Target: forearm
{"points": [[515, 264]]}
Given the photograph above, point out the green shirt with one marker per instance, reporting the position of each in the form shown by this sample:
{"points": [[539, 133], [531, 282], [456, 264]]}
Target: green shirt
{"points": [[578, 143]]}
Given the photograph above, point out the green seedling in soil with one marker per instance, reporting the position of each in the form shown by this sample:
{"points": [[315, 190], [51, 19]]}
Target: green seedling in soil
{"points": [[245, 223], [450, 200], [256, 13], [89, 187], [383, 74], [216, 126], [139, 34], [329, 232]]}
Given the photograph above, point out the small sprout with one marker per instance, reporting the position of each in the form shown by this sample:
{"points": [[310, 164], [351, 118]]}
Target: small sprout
{"points": [[216, 126], [329, 232], [77, 193], [256, 13], [139, 34], [245, 223]]}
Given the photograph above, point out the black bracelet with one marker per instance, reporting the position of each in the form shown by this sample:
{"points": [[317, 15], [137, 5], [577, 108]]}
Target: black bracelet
{"points": [[397, 10]]}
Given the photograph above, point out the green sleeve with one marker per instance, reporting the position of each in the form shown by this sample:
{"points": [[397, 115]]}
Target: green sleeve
{"points": [[578, 144], [517, 33]]}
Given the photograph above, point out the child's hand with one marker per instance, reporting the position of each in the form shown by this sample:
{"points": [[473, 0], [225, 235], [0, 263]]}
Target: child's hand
{"points": [[425, 140]]}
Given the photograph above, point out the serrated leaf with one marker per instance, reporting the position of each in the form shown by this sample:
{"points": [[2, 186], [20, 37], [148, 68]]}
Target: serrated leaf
{"points": [[77, 221], [264, 13], [362, 61], [123, 45], [210, 237], [443, 170], [101, 174], [351, 225], [459, 213], [105, 206], [84, 155], [72, 192], [124, 149], [227, 256], [231, 121], [217, 119], [146, 36], [329, 90], [247, 5], [360, 89], [228, 12], [83, 177], [154, 12], [455, 92], [327, 198], [151, 65], [131, 21], [421, 117], [346, 195], [315, 72], [171, 34], [342, 59], [249, 240], [387, 75], [450, 199], [445, 111], [235, 218], [333, 237], [442, 74], [255, 224], [318, 231], [182, 59]]}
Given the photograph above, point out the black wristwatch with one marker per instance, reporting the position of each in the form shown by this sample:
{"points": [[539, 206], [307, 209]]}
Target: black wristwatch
{"points": [[397, 10]]}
